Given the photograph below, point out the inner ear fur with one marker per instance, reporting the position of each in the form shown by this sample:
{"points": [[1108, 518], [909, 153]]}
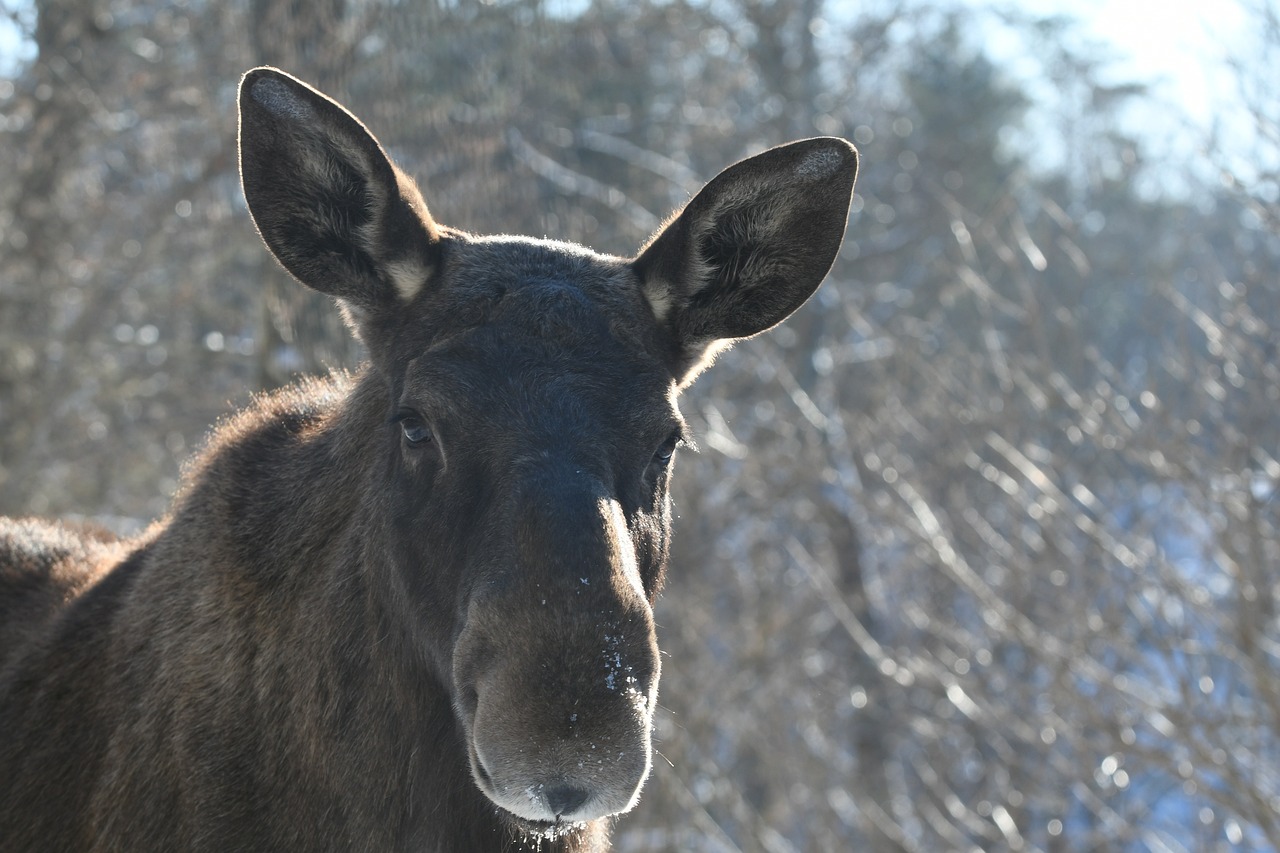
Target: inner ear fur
{"points": [[749, 249]]}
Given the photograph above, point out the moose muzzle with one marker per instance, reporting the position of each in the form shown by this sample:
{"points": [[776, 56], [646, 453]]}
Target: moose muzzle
{"points": [[556, 667]]}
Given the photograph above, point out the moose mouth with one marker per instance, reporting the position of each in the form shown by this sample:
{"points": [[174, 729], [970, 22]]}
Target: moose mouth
{"points": [[531, 828], [540, 829]]}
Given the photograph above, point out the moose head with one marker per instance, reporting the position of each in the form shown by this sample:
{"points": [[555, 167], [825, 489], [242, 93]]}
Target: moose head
{"points": [[528, 394]]}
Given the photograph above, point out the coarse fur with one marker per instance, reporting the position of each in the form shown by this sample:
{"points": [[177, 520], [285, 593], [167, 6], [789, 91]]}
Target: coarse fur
{"points": [[408, 608]]}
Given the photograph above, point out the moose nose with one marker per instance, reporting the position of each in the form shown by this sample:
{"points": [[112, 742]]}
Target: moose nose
{"points": [[564, 800]]}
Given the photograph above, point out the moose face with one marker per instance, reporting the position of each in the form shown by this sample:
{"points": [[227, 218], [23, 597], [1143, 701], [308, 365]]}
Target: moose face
{"points": [[529, 424], [529, 456]]}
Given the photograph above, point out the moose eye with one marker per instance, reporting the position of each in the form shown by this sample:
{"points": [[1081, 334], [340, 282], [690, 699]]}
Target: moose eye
{"points": [[415, 429], [662, 456]]}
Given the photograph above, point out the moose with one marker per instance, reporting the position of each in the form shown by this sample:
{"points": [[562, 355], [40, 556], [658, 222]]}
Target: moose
{"points": [[408, 607]]}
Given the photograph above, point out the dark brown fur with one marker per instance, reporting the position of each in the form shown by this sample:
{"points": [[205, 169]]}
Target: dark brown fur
{"points": [[408, 609]]}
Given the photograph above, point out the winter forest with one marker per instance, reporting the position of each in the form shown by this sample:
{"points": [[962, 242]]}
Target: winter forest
{"points": [[980, 550]]}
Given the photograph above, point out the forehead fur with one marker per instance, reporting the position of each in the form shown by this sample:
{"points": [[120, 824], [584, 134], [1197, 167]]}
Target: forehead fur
{"points": [[562, 294]]}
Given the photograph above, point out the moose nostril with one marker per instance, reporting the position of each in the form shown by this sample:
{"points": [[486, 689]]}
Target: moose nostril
{"points": [[564, 800]]}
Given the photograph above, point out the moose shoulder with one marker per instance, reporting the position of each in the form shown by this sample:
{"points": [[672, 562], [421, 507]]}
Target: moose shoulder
{"points": [[409, 609]]}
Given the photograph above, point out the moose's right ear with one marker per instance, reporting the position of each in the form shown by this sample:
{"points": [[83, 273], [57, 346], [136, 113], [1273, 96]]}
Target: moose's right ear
{"points": [[327, 201]]}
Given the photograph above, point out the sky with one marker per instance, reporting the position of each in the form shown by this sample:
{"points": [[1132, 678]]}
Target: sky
{"points": [[1161, 40], [1177, 46], [1180, 50]]}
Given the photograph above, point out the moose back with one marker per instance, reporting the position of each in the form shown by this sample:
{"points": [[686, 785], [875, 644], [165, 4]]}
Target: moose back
{"points": [[410, 608]]}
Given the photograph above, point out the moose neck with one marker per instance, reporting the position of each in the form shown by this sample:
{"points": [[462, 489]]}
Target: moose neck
{"points": [[368, 710]]}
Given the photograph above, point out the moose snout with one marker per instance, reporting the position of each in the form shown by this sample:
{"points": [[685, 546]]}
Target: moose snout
{"points": [[550, 745], [557, 708], [556, 666], [573, 783]]}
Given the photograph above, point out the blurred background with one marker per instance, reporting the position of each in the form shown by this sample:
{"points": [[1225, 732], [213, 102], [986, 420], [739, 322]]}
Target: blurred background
{"points": [[980, 551]]}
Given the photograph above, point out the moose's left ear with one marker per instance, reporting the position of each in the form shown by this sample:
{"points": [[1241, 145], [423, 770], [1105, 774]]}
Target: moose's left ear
{"points": [[749, 249], [327, 201]]}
